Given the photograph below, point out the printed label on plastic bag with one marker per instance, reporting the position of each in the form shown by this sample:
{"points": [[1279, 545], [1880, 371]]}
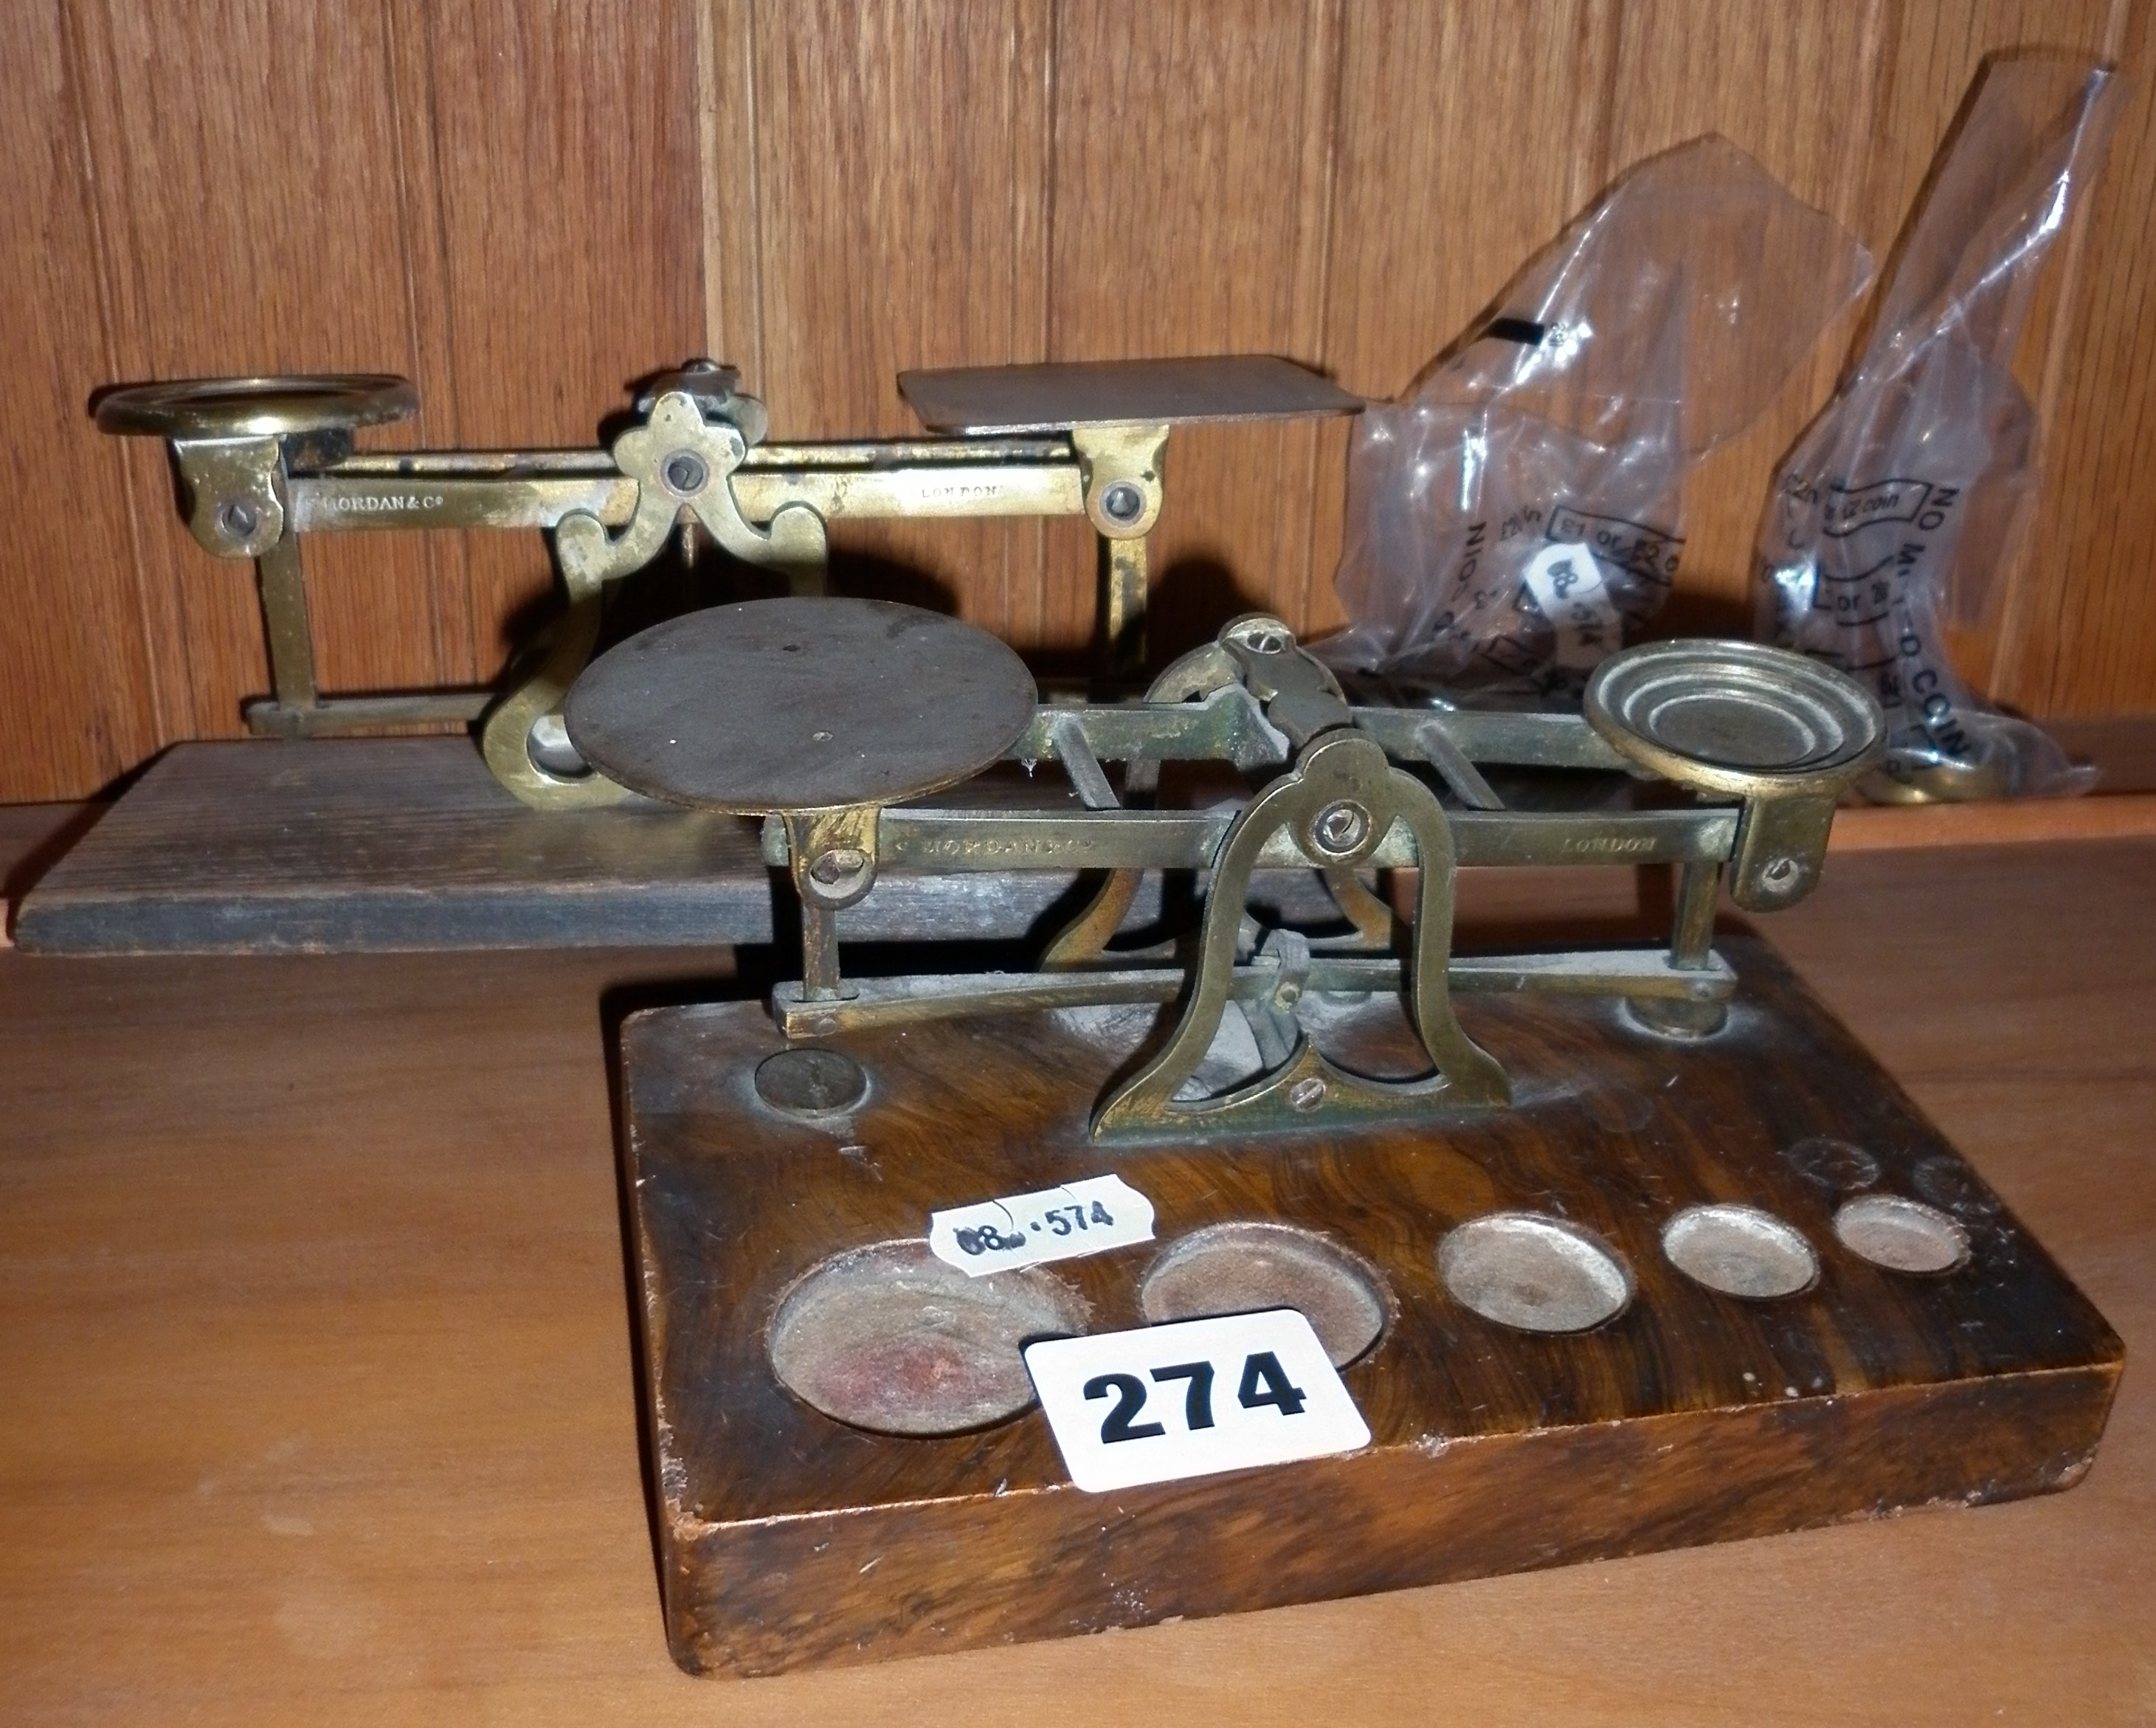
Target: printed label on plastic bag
{"points": [[1567, 587]]}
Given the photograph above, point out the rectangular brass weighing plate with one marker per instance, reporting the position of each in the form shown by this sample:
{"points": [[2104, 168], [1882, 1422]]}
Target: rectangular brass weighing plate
{"points": [[788, 1539], [1152, 393]]}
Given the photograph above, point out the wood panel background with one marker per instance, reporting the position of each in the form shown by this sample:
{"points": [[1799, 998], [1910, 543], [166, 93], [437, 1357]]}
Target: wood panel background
{"points": [[522, 206]]}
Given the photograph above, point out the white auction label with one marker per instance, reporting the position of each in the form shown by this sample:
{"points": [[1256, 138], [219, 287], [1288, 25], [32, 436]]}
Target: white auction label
{"points": [[1080, 1218], [1192, 1399], [1568, 587]]}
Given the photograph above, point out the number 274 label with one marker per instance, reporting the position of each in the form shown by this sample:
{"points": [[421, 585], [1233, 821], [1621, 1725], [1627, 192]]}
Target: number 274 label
{"points": [[1164, 1402]]}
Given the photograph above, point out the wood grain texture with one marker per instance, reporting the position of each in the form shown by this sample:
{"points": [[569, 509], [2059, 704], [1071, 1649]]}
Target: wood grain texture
{"points": [[1189, 142], [1691, 1416], [925, 249], [525, 206], [321, 1402], [79, 677], [568, 162], [2076, 644], [246, 184]]}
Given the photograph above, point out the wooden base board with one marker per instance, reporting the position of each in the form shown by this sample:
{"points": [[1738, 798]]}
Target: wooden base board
{"points": [[788, 1539], [400, 845], [368, 845]]}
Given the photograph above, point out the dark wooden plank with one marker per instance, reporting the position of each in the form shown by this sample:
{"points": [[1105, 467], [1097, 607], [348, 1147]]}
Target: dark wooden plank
{"points": [[790, 1539], [369, 845], [395, 844]]}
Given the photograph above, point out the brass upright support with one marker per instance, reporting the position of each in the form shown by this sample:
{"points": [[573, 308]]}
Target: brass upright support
{"points": [[832, 860], [1123, 606], [1692, 949], [1692, 940], [283, 581], [1343, 796], [1120, 469]]}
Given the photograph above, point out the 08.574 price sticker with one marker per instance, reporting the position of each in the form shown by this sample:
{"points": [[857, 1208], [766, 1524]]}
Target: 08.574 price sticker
{"points": [[1164, 1403], [1081, 1217]]}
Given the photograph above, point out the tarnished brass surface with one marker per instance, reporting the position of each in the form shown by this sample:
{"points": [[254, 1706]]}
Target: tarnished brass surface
{"points": [[917, 839], [1637, 975], [800, 703], [185, 409], [683, 466], [1120, 467], [535, 695], [1342, 797], [1061, 394], [264, 460], [834, 719], [1785, 733]]}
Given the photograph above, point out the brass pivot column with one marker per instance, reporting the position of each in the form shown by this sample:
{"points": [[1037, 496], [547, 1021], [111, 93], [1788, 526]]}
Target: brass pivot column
{"points": [[1121, 470], [1737, 720], [235, 442], [1339, 802]]}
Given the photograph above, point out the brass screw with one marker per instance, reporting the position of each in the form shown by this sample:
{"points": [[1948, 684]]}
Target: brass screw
{"points": [[1123, 502], [840, 862], [1341, 826]]}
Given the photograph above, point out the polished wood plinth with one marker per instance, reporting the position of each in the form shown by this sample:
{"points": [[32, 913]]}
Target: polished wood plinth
{"points": [[789, 1538]]}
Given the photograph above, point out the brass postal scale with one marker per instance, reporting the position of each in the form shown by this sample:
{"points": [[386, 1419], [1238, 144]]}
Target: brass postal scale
{"points": [[1601, 1251], [345, 843], [1221, 1259]]}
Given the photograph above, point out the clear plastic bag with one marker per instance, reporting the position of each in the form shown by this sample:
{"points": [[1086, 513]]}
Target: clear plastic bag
{"points": [[1514, 516], [1900, 507]]}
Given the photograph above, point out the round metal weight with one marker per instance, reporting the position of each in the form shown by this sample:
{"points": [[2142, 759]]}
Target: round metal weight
{"points": [[799, 704], [811, 1081], [1735, 717], [1244, 1267], [1900, 1235], [890, 1339], [1740, 1251], [256, 408], [1534, 1272]]}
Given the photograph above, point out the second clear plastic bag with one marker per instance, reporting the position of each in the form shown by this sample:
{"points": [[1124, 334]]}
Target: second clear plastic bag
{"points": [[1515, 516], [1902, 505]]}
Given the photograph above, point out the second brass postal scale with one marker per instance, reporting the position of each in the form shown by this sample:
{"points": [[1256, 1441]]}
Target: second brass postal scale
{"points": [[1584, 1254], [1241, 1259], [351, 844]]}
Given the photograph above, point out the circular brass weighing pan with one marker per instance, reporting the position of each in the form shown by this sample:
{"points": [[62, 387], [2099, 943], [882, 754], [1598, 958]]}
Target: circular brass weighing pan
{"points": [[256, 408], [1734, 716], [799, 704]]}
